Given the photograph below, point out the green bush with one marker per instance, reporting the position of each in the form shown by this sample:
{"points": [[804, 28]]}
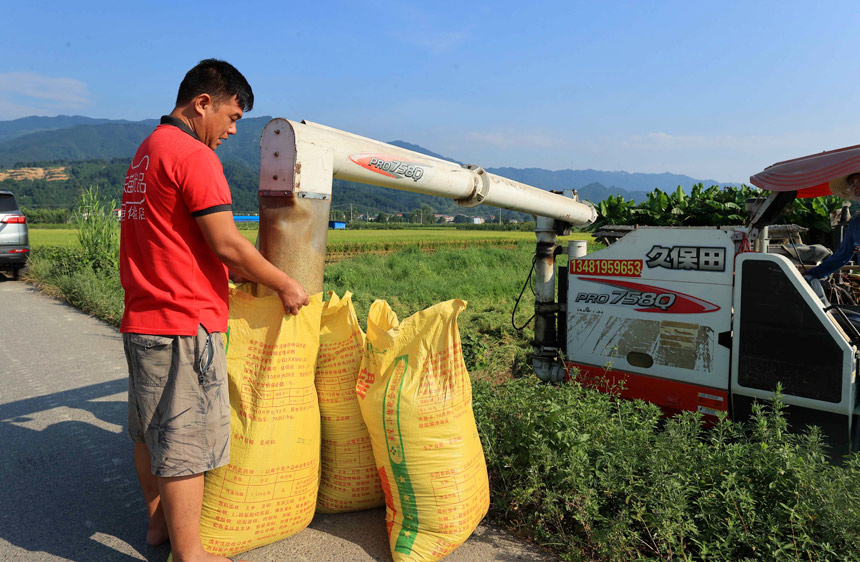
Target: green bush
{"points": [[599, 479], [365, 225], [527, 226], [47, 216], [53, 261], [64, 272]]}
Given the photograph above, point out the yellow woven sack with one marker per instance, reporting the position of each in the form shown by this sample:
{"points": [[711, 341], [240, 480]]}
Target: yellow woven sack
{"points": [[416, 399], [349, 480], [268, 490]]}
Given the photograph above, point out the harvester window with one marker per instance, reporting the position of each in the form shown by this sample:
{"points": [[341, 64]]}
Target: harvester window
{"points": [[782, 340]]}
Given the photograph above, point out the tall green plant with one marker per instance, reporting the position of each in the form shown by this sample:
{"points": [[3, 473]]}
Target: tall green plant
{"points": [[712, 206], [98, 231], [815, 214], [614, 210]]}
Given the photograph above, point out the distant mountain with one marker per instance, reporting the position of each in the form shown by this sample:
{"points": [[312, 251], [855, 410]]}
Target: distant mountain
{"points": [[630, 185], [77, 138], [116, 140], [80, 142], [27, 125]]}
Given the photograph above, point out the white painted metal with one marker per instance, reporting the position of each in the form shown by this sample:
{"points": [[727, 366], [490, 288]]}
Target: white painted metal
{"points": [[603, 324], [847, 405], [303, 157], [577, 249]]}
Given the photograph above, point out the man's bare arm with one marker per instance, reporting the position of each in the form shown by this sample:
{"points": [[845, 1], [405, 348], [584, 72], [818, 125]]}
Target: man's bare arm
{"points": [[242, 257]]}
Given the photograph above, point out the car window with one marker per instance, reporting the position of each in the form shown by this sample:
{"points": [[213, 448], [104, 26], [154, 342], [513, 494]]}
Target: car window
{"points": [[7, 203]]}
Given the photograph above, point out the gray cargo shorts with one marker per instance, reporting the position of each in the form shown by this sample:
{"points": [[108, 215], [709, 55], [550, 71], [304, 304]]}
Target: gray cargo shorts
{"points": [[178, 402]]}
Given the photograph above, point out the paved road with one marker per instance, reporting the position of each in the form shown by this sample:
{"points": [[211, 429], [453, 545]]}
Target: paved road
{"points": [[67, 484]]}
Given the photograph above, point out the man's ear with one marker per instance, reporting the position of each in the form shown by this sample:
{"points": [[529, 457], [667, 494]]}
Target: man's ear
{"points": [[202, 102]]}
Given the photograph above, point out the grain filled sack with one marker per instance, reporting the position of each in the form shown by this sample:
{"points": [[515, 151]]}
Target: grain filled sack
{"points": [[349, 480], [416, 399], [268, 490]]}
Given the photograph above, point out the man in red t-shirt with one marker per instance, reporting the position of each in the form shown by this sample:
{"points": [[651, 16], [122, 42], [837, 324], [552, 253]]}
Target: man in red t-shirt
{"points": [[178, 241]]}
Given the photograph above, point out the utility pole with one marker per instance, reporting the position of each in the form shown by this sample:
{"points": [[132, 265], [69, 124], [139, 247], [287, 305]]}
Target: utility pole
{"points": [[350, 212]]}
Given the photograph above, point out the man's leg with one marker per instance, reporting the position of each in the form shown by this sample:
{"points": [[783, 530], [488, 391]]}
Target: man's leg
{"points": [[182, 500], [157, 532]]}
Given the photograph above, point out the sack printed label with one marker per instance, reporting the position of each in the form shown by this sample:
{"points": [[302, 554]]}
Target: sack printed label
{"points": [[645, 298], [392, 167], [694, 258], [397, 456]]}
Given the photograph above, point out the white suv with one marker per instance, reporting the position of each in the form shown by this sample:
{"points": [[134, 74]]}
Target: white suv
{"points": [[14, 237]]}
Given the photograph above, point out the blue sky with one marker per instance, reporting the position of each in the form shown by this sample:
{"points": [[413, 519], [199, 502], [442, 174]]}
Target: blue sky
{"points": [[715, 90]]}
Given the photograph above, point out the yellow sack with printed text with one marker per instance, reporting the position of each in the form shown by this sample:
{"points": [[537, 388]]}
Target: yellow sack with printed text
{"points": [[349, 480], [268, 490], [416, 399]]}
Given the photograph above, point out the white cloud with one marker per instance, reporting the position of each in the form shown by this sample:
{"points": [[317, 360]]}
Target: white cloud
{"points": [[24, 93]]}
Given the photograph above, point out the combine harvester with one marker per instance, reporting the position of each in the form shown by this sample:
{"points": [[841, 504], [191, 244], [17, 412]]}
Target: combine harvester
{"points": [[712, 319], [686, 318]]}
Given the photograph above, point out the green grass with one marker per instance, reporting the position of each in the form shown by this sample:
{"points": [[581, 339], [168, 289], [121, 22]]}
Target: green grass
{"points": [[488, 278]]}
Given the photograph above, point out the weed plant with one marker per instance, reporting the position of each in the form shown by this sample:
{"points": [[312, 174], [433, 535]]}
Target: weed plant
{"points": [[603, 479], [489, 278], [64, 272], [98, 231]]}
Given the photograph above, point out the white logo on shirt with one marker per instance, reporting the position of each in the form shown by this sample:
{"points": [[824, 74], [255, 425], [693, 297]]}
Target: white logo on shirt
{"points": [[135, 191]]}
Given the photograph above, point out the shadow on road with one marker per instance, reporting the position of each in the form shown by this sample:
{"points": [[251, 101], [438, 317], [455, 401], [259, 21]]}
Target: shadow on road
{"points": [[67, 483], [68, 486]]}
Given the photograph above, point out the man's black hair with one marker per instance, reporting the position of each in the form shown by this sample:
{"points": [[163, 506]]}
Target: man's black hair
{"points": [[219, 79]]}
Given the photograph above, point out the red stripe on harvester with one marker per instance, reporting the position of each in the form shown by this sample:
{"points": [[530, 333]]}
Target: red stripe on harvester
{"points": [[672, 396]]}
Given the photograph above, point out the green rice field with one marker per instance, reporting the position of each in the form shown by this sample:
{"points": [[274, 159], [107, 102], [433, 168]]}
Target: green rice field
{"points": [[347, 243], [42, 237]]}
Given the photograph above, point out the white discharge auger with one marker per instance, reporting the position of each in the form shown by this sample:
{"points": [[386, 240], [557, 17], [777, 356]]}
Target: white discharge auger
{"points": [[303, 158]]}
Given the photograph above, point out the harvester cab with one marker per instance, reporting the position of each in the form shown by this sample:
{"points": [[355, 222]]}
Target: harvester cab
{"points": [[711, 319]]}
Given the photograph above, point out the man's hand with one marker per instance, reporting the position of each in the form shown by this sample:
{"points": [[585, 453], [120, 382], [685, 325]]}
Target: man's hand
{"points": [[293, 296]]}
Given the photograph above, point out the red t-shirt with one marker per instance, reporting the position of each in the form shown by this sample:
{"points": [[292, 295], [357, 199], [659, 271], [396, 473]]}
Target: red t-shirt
{"points": [[173, 281]]}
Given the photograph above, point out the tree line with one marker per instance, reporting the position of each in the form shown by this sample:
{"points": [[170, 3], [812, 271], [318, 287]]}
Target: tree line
{"points": [[109, 175]]}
